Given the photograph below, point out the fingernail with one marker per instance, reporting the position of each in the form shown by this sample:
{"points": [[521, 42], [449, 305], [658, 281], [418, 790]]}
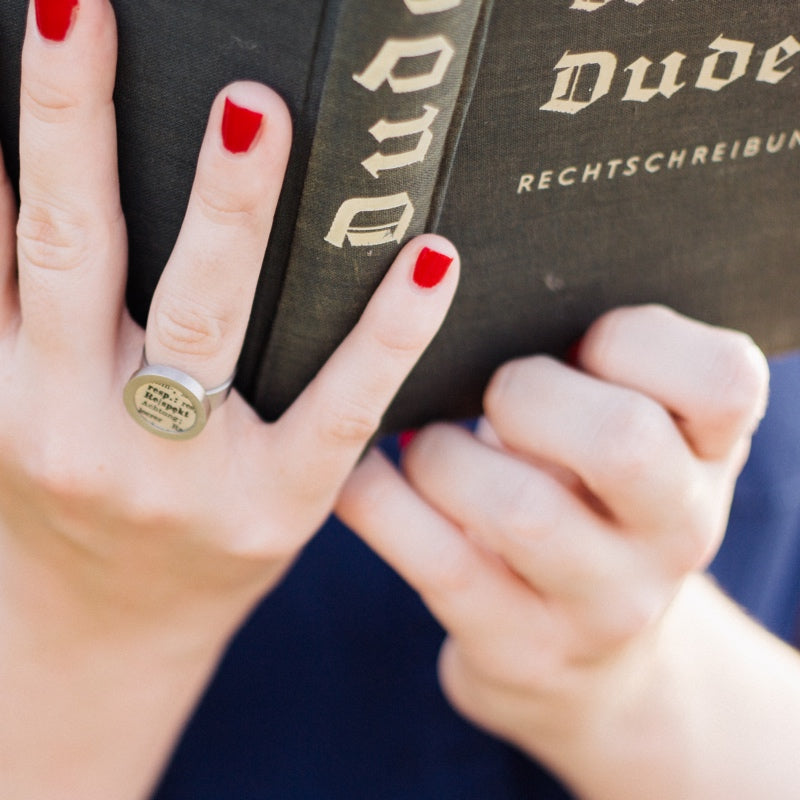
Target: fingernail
{"points": [[54, 18], [405, 438], [573, 353], [240, 126], [431, 267]]}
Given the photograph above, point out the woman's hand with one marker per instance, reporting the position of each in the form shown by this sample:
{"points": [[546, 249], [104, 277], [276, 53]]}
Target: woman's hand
{"points": [[555, 544], [127, 560]]}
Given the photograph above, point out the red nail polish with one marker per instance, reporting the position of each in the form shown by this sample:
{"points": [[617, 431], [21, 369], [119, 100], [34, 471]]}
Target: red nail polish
{"points": [[405, 438], [431, 267], [239, 127], [573, 353], [54, 18]]}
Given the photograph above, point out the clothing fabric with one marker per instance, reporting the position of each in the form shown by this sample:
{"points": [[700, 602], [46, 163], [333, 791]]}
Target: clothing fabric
{"points": [[329, 692]]}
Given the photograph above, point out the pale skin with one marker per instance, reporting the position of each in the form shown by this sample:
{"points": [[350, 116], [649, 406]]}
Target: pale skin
{"points": [[560, 547], [127, 561]]}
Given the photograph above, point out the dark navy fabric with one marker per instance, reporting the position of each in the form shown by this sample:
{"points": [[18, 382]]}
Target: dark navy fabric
{"points": [[759, 563], [330, 693]]}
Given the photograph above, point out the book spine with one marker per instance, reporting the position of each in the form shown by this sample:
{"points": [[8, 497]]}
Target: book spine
{"points": [[396, 91]]}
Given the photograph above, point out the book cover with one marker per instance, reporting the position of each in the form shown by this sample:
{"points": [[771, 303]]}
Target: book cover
{"points": [[582, 154]]}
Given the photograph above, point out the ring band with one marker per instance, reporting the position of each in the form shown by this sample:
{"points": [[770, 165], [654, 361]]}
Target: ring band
{"points": [[170, 403]]}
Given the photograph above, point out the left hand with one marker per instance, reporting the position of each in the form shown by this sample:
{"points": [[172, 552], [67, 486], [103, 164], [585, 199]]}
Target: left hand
{"points": [[551, 544], [128, 560]]}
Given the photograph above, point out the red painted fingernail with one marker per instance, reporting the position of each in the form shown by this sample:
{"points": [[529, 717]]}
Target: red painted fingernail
{"points": [[431, 267], [573, 353], [240, 126], [405, 438], [54, 18]]}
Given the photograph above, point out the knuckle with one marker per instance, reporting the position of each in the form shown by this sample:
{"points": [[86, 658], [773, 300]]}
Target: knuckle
{"points": [[507, 383], [528, 512], [348, 422], [361, 506], [459, 684], [50, 238], [598, 341], [499, 388], [69, 481], [228, 207], [189, 327], [427, 449], [456, 572], [600, 345], [399, 340], [738, 378], [47, 102], [693, 551], [252, 542], [630, 613], [632, 433], [701, 529]]}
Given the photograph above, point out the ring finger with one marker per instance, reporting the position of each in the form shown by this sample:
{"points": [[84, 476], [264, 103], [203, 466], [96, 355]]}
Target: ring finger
{"points": [[71, 235], [538, 526]]}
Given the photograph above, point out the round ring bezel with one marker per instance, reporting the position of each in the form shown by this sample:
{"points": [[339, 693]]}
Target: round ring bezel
{"points": [[179, 393]]}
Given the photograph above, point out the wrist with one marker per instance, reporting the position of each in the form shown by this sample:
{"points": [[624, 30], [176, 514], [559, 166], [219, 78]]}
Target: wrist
{"points": [[118, 702], [706, 708], [631, 713], [92, 679]]}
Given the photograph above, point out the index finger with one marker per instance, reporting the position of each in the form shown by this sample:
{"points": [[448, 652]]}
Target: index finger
{"points": [[327, 428], [472, 593]]}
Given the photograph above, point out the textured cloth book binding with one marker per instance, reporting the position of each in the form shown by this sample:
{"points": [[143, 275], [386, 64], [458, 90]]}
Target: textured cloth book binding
{"points": [[582, 154]]}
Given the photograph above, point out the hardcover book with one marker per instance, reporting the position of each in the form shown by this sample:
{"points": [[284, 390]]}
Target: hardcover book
{"points": [[582, 154]]}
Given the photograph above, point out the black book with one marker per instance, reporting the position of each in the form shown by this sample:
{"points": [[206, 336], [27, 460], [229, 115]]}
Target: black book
{"points": [[582, 154]]}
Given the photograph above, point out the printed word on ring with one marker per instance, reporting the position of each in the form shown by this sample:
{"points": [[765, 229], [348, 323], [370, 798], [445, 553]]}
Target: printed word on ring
{"points": [[168, 402]]}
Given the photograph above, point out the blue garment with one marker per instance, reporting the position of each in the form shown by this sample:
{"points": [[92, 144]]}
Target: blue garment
{"points": [[329, 692], [759, 562]]}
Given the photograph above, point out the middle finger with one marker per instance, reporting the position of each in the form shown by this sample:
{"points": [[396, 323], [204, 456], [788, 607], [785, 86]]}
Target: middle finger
{"points": [[537, 525], [71, 235]]}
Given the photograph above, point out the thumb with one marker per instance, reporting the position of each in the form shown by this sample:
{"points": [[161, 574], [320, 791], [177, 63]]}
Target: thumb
{"points": [[322, 435]]}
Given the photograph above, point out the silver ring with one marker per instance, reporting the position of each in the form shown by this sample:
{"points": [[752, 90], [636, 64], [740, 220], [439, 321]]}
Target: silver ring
{"points": [[169, 403]]}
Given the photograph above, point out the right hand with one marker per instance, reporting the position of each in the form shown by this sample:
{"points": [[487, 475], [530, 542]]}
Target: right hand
{"points": [[561, 546]]}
